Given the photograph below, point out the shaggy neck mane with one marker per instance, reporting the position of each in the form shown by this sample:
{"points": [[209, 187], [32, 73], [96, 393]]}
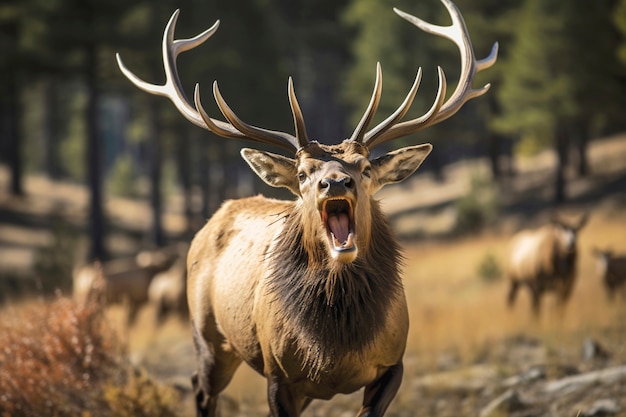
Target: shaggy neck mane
{"points": [[330, 309]]}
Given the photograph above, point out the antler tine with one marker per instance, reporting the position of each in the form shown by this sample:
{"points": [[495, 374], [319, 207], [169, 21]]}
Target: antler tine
{"points": [[257, 134], [173, 90], [457, 33], [359, 131], [375, 136], [398, 114], [298, 119]]}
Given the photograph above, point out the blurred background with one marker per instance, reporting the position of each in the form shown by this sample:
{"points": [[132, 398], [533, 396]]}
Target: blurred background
{"points": [[91, 168]]}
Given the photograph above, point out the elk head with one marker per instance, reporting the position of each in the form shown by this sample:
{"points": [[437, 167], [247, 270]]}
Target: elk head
{"points": [[333, 183], [567, 232]]}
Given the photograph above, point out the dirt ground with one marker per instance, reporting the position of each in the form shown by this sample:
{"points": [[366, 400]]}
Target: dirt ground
{"points": [[467, 354]]}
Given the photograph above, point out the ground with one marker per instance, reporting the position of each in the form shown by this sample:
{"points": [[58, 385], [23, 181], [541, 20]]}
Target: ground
{"points": [[467, 353]]}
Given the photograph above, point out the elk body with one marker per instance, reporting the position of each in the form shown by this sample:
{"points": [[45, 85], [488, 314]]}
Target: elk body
{"points": [[126, 280], [544, 260], [307, 292], [167, 291], [611, 269]]}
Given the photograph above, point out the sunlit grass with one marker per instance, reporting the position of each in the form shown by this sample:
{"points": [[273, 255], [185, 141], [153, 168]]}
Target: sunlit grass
{"points": [[453, 310]]}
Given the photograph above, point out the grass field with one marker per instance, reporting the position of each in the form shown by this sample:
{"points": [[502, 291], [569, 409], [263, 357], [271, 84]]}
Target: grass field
{"points": [[458, 318]]}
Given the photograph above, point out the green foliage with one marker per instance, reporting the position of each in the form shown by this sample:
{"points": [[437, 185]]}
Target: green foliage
{"points": [[619, 18], [561, 70], [531, 144], [53, 263], [489, 269], [401, 49], [478, 207], [121, 181], [532, 92], [73, 146]]}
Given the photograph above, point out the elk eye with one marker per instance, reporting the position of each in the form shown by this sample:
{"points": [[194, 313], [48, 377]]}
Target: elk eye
{"points": [[301, 177], [367, 172]]}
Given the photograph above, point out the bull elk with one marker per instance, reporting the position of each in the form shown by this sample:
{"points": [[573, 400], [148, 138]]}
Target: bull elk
{"points": [[545, 260], [307, 292]]}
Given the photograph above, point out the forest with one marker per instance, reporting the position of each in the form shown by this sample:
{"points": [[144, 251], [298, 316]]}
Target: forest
{"points": [[99, 177], [67, 112]]}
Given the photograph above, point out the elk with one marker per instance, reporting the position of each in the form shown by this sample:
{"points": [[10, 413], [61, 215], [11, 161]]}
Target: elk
{"points": [[167, 291], [611, 269], [544, 260], [126, 280], [307, 291]]}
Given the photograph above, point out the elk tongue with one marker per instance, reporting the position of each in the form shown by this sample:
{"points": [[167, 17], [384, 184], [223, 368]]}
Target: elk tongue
{"points": [[339, 225]]}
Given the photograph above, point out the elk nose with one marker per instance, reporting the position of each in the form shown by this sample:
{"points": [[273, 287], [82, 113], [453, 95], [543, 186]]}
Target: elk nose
{"points": [[336, 186]]}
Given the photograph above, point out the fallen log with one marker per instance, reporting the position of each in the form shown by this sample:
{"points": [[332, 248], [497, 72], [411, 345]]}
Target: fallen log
{"points": [[571, 383]]}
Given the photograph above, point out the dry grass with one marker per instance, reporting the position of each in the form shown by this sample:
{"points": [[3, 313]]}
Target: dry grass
{"points": [[45, 369], [60, 358], [453, 310]]}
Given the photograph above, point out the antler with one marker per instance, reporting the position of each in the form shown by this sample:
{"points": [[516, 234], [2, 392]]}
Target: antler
{"points": [[390, 128], [235, 128]]}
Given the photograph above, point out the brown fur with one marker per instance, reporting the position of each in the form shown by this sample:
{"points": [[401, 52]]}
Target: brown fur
{"points": [[126, 280], [167, 292], [612, 271], [544, 260], [307, 292], [273, 296]]}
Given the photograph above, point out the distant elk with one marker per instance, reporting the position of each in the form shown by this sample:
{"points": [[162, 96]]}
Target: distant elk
{"points": [[611, 269], [167, 291], [126, 280], [307, 292], [545, 260]]}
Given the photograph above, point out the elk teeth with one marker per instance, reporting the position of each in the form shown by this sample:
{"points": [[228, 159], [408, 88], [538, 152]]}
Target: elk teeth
{"points": [[348, 243]]}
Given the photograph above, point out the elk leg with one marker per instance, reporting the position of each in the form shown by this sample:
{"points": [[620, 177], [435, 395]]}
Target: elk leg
{"points": [[512, 293], [564, 295], [283, 401], [216, 368], [379, 394], [535, 300]]}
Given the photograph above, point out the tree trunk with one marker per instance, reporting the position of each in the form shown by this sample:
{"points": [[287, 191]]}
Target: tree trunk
{"points": [[183, 163], [582, 142], [50, 128], [436, 165], [205, 179], [562, 152], [155, 156], [221, 181], [94, 157], [11, 117], [494, 141], [14, 136]]}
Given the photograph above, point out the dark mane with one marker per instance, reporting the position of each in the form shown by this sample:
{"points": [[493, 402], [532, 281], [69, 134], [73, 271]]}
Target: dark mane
{"points": [[328, 311]]}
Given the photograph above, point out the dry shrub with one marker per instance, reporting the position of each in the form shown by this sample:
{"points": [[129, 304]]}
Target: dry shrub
{"points": [[60, 358], [140, 396]]}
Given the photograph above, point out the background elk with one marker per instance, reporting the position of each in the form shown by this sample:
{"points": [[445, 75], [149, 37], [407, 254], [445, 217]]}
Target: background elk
{"points": [[543, 260], [167, 291], [611, 269], [126, 279], [307, 292]]}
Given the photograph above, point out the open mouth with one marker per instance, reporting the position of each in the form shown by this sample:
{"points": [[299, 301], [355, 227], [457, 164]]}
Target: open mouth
{"points": [[337, 215]]}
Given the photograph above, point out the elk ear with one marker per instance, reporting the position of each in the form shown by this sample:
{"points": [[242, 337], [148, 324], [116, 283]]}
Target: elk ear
{"points": [[398, 165], [276, 170], [583, 221]]}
